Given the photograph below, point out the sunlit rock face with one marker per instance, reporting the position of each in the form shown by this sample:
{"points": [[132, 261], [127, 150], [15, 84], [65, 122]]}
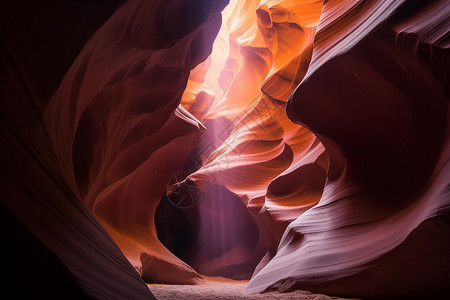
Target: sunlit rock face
{"points": [[352, 193], [298, 144], [268, 47]]}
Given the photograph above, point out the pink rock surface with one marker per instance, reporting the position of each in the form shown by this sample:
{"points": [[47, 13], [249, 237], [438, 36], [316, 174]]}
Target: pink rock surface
{"points": [[298, 144], [382, 118], [116, 120]]}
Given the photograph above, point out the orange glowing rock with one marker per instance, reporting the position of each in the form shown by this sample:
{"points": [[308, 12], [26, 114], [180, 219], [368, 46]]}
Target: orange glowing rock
{"points": [[312, 138], [275, 47]]}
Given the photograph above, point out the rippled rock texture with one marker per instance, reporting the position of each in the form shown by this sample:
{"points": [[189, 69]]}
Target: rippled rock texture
{"points": [[298, 144]]}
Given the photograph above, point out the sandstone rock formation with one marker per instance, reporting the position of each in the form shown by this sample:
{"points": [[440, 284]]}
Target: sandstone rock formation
{"points": [[298, 144]]}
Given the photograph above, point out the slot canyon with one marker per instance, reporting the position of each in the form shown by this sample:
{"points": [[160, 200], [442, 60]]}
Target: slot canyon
{"points": [[225, 149]]}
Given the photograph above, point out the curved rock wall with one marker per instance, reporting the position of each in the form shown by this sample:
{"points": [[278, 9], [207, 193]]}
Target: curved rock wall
{"points": [[312, 139]]}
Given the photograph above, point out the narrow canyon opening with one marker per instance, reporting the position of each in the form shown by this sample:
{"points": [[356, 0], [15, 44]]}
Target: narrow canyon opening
{"points": [[218, 214], [229, 149]]}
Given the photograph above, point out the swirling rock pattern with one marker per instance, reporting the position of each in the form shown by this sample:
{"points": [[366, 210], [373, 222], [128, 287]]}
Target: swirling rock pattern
{"points": [[119, 124], [52, 245], [99, 136], [383, 120], [333, 220], [315, 135]]}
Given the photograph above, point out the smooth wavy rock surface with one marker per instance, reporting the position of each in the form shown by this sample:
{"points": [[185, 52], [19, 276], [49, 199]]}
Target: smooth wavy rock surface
{"points": [[337, 199], [106, 137], [383, 120], [276, 44], [52, 245], [115, 118], [302, 145]]}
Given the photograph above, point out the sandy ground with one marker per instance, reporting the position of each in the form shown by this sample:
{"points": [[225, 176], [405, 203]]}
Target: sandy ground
{"points": [[220, 288]]}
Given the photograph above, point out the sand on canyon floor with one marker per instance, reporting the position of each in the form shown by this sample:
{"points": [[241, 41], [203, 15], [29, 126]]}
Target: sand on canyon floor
{"points": [[222, 288]]}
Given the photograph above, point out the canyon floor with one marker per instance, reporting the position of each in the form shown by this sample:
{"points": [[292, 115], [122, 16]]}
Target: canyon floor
{"points": [[221, 288]]}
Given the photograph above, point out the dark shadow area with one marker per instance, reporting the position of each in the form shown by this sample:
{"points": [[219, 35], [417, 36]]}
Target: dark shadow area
{"points": [[29, 269], [211, 231]]}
